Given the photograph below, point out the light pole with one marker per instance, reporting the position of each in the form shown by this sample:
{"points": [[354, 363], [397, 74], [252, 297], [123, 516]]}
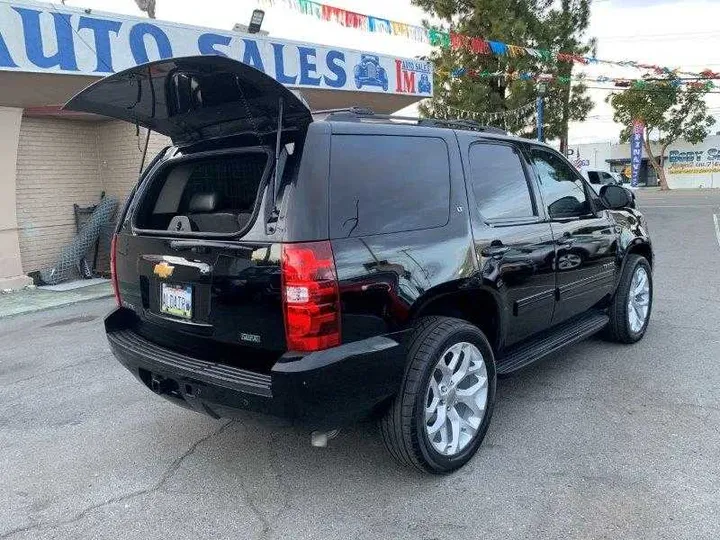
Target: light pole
{"points": [[255, 25], [541, 90], [256, 21]]}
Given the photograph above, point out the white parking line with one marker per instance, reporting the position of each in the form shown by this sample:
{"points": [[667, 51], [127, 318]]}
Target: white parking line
{"points": [[677, 205], [717, 228]]}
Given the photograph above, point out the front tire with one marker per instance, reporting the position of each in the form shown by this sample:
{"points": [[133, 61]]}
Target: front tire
{"points": [[439, 418], [632, 304]]}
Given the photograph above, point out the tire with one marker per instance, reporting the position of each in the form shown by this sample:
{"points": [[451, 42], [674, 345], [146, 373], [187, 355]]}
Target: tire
{"points": [[623, 327], [404, 427]]}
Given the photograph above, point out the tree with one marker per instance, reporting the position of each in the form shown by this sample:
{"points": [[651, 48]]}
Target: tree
{"points": [[675, 110], [563, 30], [532, 23]]}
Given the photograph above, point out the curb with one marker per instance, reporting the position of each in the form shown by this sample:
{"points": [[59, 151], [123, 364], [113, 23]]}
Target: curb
{"points": [[68, 302]]}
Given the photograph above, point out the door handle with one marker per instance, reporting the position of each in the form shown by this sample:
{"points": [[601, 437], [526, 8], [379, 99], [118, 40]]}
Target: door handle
{"points": [[495, 251]]}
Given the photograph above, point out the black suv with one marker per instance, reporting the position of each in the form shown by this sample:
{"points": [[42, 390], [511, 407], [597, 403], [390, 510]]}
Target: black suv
{"points": [[355, 266]]}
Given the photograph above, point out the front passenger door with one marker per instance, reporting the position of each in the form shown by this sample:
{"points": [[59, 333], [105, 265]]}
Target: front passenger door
{"points": [[585, 240]]}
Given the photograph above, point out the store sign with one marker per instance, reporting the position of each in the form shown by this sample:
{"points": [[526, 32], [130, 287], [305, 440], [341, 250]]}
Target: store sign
{"points": [[44, 38], [693, 161]]}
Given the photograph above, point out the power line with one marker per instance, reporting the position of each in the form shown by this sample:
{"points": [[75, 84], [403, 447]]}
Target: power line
{"points": [[619, 89], [673, 35]]}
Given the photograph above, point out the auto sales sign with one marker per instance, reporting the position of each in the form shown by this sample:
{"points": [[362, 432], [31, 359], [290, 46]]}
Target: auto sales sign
{"points": [[46, 38]]}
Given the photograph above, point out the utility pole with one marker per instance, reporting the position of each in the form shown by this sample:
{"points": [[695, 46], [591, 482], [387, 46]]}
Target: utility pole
{"points": [[541, 90]]}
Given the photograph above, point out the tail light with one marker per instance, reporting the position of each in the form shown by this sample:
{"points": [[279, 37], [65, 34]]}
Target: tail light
{"points": [[311, 300], [113, 269]]}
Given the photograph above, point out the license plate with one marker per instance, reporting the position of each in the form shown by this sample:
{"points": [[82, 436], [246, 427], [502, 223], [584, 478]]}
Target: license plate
{"points": [[176, 300]]}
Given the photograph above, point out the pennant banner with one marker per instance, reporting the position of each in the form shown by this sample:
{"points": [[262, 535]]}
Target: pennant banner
{"points": [[515, 114], [543, 77], [439, 38]]}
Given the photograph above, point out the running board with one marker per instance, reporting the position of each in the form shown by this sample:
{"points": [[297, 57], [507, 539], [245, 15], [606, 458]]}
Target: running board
{"points": [[567, 333]]}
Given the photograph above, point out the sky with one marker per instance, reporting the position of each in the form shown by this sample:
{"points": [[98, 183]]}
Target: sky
{"points": [[673, 33]]}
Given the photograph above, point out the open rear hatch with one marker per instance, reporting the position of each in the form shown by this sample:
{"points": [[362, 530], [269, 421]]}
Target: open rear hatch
{"points": [[198, 265], [194, 98]]}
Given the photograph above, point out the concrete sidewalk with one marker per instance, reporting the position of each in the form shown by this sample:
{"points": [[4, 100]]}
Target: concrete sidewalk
{"points": [[33, 299]]}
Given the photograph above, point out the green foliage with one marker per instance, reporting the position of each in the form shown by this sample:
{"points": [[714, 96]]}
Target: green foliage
{"points": [[677, 111], [541, 24]]}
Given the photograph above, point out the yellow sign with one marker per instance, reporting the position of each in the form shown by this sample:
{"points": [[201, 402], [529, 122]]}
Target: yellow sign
{"points": [[701, 169], [163, 270]]}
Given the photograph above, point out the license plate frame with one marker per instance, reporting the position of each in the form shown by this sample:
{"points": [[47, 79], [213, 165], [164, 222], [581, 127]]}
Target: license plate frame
{"points": [[176, 300]]}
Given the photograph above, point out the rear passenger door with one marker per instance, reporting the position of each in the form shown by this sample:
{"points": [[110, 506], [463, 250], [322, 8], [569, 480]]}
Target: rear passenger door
{"points": [[585, 238], [513, 241]]}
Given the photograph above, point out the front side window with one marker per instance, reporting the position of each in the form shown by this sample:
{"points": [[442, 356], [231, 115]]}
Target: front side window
{"points": [[499, 183], [563, 191]]}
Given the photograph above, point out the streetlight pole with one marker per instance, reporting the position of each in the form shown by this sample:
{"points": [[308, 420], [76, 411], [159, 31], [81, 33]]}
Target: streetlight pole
{"points": [[541, 90]]}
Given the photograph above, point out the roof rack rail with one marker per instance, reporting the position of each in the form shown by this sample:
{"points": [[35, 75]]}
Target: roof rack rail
{"points": [[457, 123], [360, 114]]}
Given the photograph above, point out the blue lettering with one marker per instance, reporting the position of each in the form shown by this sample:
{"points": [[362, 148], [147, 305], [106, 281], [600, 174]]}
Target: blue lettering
{"points": [[101, 29], [252, 57], [308, 67], [336, 64], [207, 42], [280, 74], [137, 42], [65, 55], [5, 58]]}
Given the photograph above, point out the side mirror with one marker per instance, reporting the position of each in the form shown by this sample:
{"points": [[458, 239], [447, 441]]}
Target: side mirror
{"points": [[616, 197]]}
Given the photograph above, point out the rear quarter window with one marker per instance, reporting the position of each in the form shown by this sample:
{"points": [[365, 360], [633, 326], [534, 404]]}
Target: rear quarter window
{"points": [[382, 184]]}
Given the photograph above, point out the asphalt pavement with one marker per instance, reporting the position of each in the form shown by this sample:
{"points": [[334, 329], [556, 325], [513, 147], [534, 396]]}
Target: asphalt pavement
{"points": [[599, 441]]}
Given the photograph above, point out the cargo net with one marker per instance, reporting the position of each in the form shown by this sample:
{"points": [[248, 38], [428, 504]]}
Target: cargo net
{"points": [[72, 262]]}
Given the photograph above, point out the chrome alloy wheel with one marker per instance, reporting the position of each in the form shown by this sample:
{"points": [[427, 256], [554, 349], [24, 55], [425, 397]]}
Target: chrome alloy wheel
{"points": [[638, 299], [456, 398]]}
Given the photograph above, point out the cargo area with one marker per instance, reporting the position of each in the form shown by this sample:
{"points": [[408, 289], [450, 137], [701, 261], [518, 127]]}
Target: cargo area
{"points": [[216, 194]]}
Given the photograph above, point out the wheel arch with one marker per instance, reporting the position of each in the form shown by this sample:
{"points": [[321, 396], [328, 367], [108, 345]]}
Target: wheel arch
{"points": [[479, 307], [643, 249]]}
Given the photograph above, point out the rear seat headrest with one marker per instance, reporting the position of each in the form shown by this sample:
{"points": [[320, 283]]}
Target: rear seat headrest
{"points": [[203, 203]]}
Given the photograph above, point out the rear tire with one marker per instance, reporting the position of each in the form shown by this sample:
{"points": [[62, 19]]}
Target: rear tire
{"points": [[631, 306], [440, 416]]}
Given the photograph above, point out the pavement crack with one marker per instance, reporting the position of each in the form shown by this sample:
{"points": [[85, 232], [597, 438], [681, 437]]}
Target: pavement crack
{"points": [[256, 510], [164, 478]]}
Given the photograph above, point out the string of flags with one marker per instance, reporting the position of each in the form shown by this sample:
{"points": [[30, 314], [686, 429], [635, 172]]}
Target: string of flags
{"points": [[485, 117], [350, 19], [544, 77], [456, 41]]}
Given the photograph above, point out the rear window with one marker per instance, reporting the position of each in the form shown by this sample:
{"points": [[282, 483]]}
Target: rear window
{"points": [[384, 184], [206, 195]]}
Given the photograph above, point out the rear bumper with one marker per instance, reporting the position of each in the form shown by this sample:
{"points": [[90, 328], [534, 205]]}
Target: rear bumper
{"points": [[322, 390]]}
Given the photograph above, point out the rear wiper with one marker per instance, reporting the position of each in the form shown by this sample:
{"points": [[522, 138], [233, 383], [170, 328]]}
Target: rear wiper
{"points": [[190, 244]]}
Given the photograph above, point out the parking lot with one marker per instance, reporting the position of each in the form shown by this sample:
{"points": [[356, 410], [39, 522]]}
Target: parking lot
{"points": [[600, 441]]}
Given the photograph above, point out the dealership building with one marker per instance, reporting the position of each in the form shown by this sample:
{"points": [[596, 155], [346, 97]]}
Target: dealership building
{"points": [[51, 160]]}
